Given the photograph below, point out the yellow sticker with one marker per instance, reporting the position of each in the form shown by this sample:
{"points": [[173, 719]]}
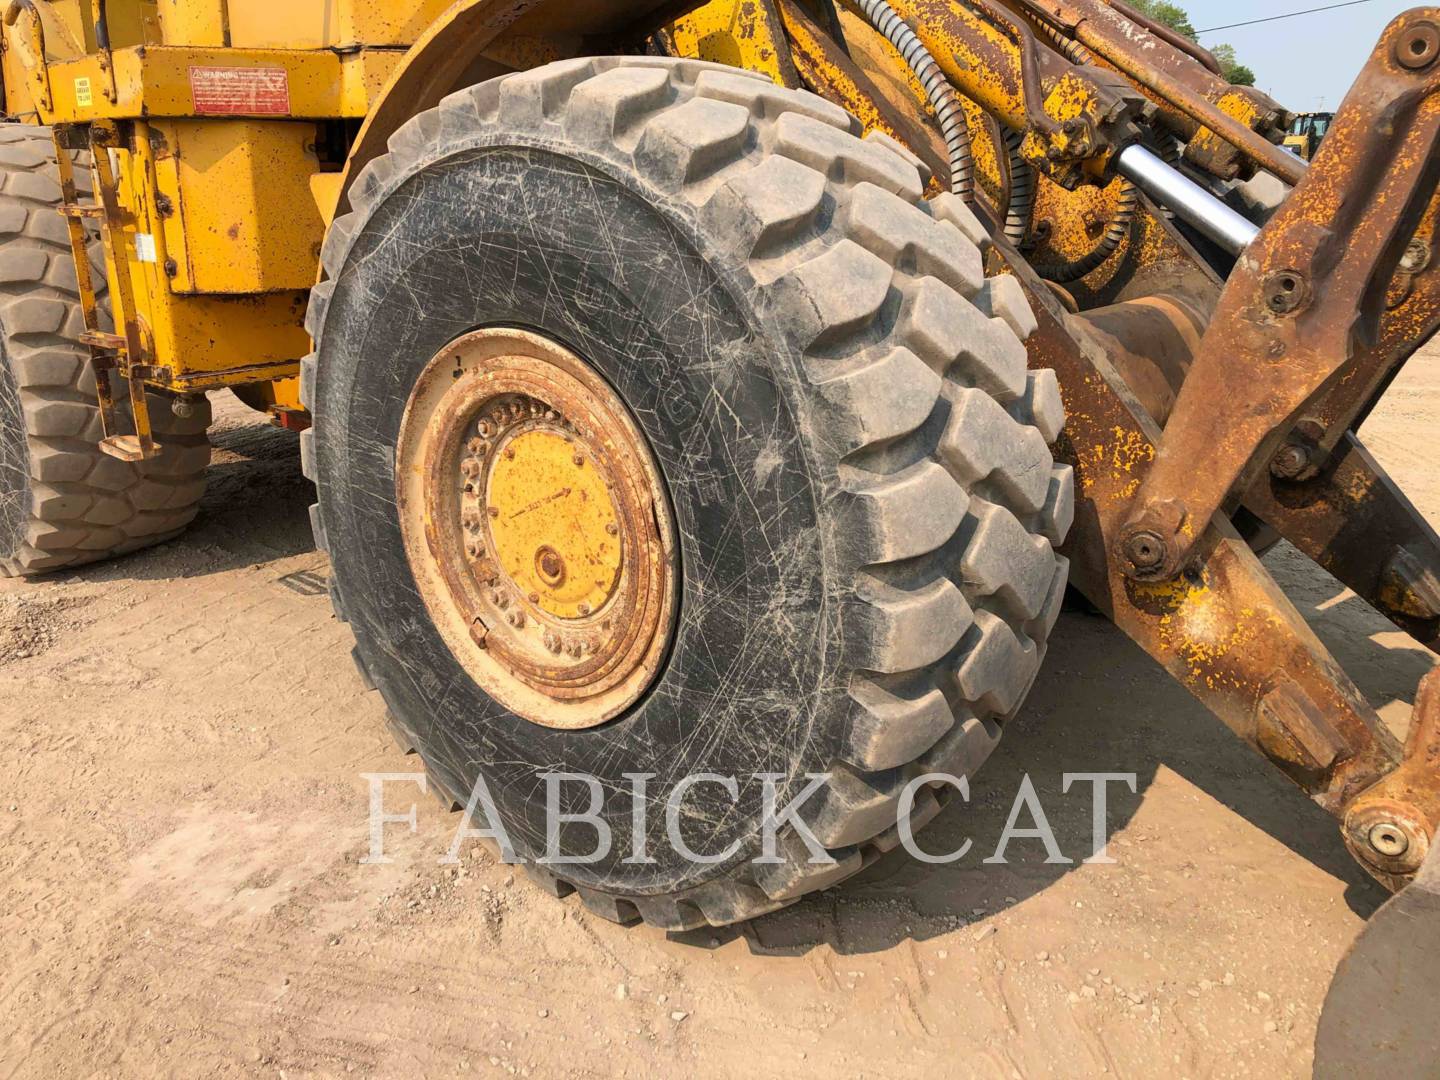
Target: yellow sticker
{"points": [[84, 96]]}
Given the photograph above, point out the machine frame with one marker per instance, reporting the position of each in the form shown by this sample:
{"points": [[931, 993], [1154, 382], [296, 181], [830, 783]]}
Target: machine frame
{"points": [[225, 138]]}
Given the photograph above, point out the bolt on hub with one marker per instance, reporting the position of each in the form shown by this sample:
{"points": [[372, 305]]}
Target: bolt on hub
{"points": [[537, 527]]}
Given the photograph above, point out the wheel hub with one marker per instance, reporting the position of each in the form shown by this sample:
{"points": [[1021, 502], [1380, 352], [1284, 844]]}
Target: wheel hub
{"points": [[536, 527]]}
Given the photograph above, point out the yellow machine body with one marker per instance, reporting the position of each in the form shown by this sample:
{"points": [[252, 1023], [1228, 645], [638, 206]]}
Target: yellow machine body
{"points": [[1306, 132], [235, 123], [239, 123], [229, 161]]}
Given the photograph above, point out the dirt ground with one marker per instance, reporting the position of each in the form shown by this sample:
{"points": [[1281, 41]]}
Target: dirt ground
{"points": [[182, 815]]}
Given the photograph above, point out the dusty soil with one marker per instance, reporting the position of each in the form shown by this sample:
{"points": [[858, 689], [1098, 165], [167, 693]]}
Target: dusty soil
{"points": [[182, 816]]}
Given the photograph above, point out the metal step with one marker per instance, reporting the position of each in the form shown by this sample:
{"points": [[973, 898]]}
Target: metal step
{"points": [[128, 448], [101, 340]]}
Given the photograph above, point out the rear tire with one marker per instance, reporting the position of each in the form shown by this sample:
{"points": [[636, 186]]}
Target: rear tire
{"points": [[63, 502], [837, 399]]}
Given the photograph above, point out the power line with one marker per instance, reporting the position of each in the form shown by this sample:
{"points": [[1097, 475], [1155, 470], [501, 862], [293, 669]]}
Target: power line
{"points": [[1277, 18]]}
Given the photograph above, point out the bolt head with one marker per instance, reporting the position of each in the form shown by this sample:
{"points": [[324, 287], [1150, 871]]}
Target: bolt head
{"points": [[1389, 839], [1291, 462], [550, 565], [1145, 550], [1286, 291], [1416, 257]]}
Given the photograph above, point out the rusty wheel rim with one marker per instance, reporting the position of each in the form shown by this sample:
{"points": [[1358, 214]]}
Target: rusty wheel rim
{"points": [[537, 528]]}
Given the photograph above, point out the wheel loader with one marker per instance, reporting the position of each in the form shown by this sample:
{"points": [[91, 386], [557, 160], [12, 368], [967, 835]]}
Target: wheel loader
{"points": [[1306, 132], [733, 390]]}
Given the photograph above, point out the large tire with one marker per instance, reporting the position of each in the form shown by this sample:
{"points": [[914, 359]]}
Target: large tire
{"points": [[63, 502], [838, 400]]}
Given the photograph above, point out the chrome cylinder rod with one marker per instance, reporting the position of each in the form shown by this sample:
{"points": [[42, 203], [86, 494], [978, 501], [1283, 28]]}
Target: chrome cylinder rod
{"points": [[1186, 199]]}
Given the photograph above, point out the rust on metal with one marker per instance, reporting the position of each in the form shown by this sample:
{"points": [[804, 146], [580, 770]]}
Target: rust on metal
{"points": [[1304, 300], [1352, 519], [1196, 102], [537, 527], [740, 33], [1412, 315], [128, 354], [830, 72], [1072, 119], [1224, 630], [1391, 826], [1151, 341]]}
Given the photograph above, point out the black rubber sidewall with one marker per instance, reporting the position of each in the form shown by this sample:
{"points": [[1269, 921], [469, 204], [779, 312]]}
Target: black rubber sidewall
{"points": [[14, 461], [522, 237]]}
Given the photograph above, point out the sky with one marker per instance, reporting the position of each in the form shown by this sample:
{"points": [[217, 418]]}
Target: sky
{"points": [[1306, 63]]}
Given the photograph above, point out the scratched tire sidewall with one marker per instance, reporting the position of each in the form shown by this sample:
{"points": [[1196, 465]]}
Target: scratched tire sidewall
{"points": [[14, 461], [522, 236]]}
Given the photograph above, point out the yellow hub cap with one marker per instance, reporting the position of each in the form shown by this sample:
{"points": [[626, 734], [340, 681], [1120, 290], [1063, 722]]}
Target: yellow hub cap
{"points": [[537, 528], [556, 530]]}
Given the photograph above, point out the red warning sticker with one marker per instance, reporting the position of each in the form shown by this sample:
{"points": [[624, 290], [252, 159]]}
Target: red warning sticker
{"points": [[233, 91]]}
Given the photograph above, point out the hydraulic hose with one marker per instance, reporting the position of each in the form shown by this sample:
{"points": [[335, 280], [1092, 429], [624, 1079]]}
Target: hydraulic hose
{"points": [[1020, 200], [1069, 48], [948, 111], [1115, 233]]}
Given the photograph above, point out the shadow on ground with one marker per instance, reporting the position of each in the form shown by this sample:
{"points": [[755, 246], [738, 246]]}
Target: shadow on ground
{"points": [[1101, 706], [255, 508]]}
